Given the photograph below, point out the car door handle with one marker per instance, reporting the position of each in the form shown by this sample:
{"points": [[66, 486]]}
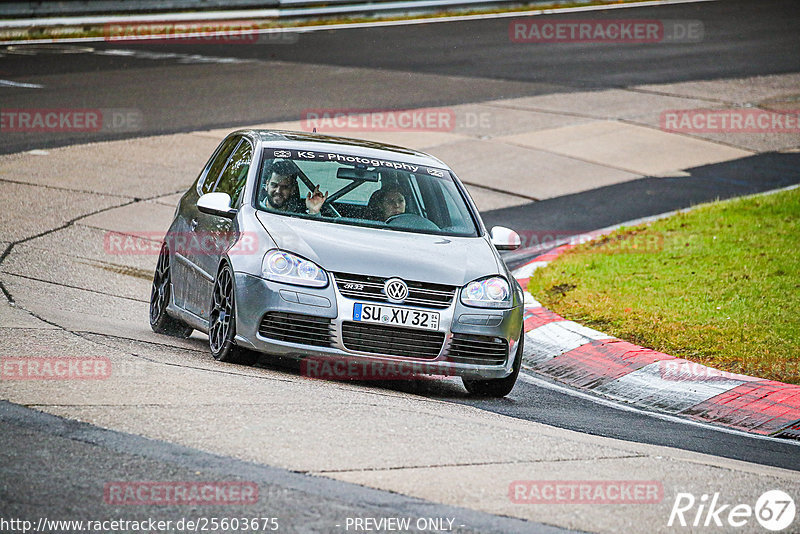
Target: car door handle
{"points": [[193, 224]]}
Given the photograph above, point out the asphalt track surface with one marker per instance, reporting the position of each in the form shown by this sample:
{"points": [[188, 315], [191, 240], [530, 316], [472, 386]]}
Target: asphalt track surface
{"points": [[72, 458], [553, 407], [454, 63]]}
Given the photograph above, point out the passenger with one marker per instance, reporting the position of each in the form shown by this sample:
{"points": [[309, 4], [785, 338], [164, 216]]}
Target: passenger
{"points": [[385, 203], [283, 194]]}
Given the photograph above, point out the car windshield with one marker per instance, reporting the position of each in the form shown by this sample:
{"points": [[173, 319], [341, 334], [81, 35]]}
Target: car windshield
{"points": [[362, 191]]}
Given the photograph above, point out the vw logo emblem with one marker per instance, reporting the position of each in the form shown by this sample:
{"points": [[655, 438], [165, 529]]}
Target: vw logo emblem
{"points": [[396, 290]]}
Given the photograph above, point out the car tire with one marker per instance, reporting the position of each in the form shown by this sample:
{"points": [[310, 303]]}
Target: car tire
{"points": [[160, 296], [498, 387], [222, 322]]}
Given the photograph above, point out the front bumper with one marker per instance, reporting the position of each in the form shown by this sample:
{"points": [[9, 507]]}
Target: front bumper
{"points": [[256, 296]]}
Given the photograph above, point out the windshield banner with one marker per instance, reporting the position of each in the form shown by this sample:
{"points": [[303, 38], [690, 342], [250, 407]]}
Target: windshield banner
{"points": [[356, 161]]}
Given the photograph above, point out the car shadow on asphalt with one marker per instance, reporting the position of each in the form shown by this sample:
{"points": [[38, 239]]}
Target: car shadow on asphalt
{"points": [[438, 387]]}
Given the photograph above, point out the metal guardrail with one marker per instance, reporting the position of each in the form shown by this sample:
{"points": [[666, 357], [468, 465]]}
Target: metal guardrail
{"points": [[283, 8], [67, 8], [383, 6]]}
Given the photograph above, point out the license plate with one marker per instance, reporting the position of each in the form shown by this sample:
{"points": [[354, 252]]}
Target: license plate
{"points": [[376, 313]]}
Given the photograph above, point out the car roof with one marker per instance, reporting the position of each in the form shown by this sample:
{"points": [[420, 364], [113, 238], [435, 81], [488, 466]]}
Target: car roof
{"points": [[331, 143]]}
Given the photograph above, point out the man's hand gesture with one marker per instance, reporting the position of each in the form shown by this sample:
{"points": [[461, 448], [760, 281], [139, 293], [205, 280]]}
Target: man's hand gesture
{"points": [[314, 200]]}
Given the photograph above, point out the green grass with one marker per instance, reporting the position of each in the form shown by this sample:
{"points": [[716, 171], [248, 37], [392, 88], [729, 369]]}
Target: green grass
{"points": [[719, 285]]}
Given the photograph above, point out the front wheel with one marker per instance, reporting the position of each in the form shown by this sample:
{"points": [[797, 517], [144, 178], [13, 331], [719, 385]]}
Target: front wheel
{"points": [[498, 387], [160, 322], [222, 322]]}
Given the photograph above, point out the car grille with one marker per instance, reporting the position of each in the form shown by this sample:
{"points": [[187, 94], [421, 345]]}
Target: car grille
{"points": [[479, 350], [297, 328], [360, 287], [392, 340]]}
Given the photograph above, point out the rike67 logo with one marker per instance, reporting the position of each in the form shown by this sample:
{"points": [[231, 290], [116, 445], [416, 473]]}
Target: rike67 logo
{"points": [[774, 510]]}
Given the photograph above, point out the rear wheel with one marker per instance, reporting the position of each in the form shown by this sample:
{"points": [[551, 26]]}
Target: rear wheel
{"points": [[160, 321], [498, 387], [222, 322]]}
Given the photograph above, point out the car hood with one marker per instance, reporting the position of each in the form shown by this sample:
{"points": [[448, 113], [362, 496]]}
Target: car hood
{"points": [[385, 253]]}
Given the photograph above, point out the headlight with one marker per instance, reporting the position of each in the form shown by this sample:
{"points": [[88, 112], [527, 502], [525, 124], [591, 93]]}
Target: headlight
{"points": [[285, 267], [491, 292]]}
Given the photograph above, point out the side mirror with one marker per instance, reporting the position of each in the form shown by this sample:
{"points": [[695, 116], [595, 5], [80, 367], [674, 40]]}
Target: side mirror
{"points": [[504, 238], [216, 204]]}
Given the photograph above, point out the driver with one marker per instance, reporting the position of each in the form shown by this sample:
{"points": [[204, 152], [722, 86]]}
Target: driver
{"points": [[283, 194], [385, 204]]}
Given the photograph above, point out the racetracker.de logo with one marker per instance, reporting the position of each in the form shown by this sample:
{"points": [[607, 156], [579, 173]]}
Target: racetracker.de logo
{"points": [[184, 243], [730, 121], [619, 31], [628, 243], [586, 492], [70, 120], [180, 493], [198, 32], [378, 120], [55, 368], [684, 371], [327, 368]]}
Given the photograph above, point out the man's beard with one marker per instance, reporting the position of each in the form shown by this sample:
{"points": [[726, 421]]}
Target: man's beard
{"points": [[276, 206]]}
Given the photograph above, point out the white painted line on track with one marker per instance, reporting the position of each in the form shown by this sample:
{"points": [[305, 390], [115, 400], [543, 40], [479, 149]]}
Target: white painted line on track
{"points": [[526, 270], [180, 58], [556, 338], [530, 379], [117, 52], [222, 15], [9, 83], [529, 301]]}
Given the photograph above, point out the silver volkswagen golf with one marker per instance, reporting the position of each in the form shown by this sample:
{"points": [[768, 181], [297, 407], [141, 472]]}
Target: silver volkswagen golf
{"points": [[328, 249]]}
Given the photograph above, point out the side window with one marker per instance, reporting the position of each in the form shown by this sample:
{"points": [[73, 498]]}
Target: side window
{"points": [[216, 165], [234, 176]]}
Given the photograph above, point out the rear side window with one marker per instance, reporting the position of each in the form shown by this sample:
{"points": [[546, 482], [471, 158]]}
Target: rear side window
{"points": [[217, 164], [234, 176]]}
